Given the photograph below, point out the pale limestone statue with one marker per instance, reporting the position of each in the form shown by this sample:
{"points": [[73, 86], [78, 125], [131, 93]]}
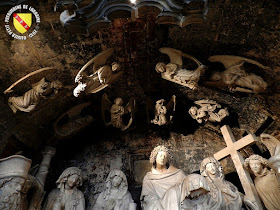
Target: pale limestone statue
{"points": [[235, 78], [209, 110], [18, 189], [265, 181], [117, 111], [273, 145], [163, 176], [221, 190], [67, 196], [175, 72], [164, 111], [31, 98], [102, 76], [73, 121], [196, 194], [116, 195], [65, 17]]}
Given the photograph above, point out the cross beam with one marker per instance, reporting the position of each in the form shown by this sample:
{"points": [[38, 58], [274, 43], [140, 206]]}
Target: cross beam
{"points": [[232, 149]]}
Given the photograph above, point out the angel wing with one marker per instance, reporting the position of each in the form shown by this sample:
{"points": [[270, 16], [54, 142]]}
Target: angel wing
{"points": [[9, 90], [207, 102], [272, 144], [130, 108], [175, 56], [106, 105], [232, 60], [98, 60]]}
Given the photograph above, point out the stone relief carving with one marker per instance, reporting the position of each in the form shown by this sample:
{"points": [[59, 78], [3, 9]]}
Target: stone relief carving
{"points": [[18, 189], [222, 191], [209, 110], [117, 111], [31, 98], [163, 112], [266, 183], [175, 72], [162, 177], [102, 76], [235, 77], [72, 121], [67, 196], [116, 195]]}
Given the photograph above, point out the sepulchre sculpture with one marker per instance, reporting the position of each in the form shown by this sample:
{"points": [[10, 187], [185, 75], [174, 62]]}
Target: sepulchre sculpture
{"points": [[221, 190], [18, 189], [32, 97], [235, 77], [175, 71], [163, 112], [73, 121], [273, 145], [162, 177], [67, 196], [101, 77], [265, 181], [116, 195], [196, 194], [117, 112], [209, 110]]}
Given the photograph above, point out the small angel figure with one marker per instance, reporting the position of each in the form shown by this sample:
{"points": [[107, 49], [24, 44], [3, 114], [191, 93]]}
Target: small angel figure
{"points": [[175, 72], [209, 111], [117, 111], [32, 97], [103, 75], [162, 110], [235, 78]]}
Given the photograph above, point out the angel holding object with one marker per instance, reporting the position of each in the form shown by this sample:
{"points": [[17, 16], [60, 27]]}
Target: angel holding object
{"points": [[174, 70], [209, 111], [235, 77], [163, 111], [117, 111], [103, 75], [32, 97]]}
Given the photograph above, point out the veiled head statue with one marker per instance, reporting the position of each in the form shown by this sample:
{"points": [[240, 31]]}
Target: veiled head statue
{"points": [[211, 166], [67, 175], [154, 157]]}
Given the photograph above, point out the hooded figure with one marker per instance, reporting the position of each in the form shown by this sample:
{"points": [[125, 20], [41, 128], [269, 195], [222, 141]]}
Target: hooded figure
{"points": [[67, 196], [115, 196]]}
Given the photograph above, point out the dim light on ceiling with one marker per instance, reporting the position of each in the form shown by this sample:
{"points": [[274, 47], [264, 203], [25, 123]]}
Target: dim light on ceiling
{"points": [[133, 1]]}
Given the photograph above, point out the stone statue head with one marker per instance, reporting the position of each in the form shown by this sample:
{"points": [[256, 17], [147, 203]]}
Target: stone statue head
{"points": [[118, 101], [210, 167], [41, 86], [13, 176], [116, 179], [116, 66], [161, 155], [70, 177], [193, 111], [160, 67], [256, 164], [171, 68]]}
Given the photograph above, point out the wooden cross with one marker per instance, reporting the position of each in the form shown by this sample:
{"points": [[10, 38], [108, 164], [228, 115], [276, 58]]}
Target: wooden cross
{"points": [[232, 149]]}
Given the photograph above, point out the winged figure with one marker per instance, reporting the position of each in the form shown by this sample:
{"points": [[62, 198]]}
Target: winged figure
{"points": [[117, 112], [235, 77], [209, 110], [103, 75], [163, 112], [174, 70], [30, 99]]}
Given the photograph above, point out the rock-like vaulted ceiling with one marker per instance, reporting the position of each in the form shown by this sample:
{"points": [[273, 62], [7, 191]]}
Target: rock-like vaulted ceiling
{"points": [[224, 27]]}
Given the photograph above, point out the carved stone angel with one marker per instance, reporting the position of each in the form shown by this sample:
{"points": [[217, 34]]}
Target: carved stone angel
{"points": [[234, 77], [174, 70], [117, 111], [102, 76], [209, 111], [32, 97], [163, 111]]}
